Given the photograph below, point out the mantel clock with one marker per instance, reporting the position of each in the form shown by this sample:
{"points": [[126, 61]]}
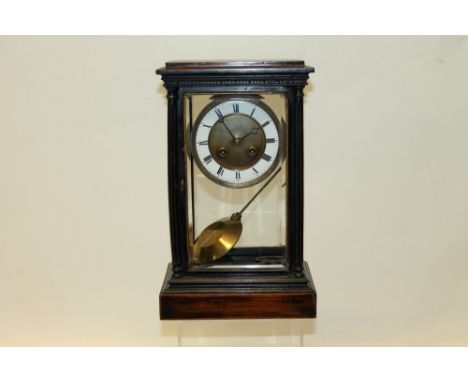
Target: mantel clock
{"points": [[235, 174]]}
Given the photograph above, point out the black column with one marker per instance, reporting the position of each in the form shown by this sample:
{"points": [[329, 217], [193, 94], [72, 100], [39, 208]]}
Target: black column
{"points": [[295, 181], [176, 183]]}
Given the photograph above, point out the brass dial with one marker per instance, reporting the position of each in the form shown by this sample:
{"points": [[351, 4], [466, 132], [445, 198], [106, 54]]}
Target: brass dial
{"points": [[237, 141]]}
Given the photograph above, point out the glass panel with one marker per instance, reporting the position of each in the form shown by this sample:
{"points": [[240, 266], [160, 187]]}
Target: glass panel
{"points": [[235, 145]]}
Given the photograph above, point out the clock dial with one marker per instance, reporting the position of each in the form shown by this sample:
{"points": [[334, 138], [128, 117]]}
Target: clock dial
{"points": [[236, 143]]}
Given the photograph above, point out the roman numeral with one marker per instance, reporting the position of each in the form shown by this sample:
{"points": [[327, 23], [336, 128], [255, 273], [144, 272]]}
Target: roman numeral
{"points": [[220, 171], [218, 113], [265, 124], [270, 140], [209, 127], [255, 170], [204, 143], [266, 157], [237, 175], [235, 107], [207, 159], [253, 111]]}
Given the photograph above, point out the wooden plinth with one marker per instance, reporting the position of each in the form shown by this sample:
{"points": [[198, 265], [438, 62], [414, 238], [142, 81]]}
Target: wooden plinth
{"points": [[237, 296]]}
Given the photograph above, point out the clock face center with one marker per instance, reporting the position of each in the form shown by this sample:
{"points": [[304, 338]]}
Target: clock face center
{"points": [[237, 141]]}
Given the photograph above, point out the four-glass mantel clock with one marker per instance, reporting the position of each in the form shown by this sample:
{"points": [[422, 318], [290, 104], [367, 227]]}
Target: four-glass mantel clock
{"points": [[235, 173]]}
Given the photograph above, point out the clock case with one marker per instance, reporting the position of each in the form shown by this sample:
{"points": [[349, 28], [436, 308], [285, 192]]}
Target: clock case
{"points": [[235, 293]]}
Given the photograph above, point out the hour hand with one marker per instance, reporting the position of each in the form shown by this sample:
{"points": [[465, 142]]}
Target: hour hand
{"points": [[253, 131]]}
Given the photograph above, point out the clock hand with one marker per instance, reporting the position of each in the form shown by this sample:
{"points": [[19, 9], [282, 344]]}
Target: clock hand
{"points": [[227, 128], [253, 131]]}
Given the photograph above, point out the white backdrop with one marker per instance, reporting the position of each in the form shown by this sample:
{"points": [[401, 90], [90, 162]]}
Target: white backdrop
{"points": [[84, 236]]}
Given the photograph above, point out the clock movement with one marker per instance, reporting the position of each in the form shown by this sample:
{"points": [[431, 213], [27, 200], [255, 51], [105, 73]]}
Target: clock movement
{"points": [[235, 177]]}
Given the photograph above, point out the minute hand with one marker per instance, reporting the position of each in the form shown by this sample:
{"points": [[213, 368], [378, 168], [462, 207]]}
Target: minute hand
{"points": [[227, 128]]}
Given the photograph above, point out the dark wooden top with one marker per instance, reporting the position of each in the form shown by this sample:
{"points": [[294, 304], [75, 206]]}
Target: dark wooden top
{"points": [[234, 63], [235, 66]]}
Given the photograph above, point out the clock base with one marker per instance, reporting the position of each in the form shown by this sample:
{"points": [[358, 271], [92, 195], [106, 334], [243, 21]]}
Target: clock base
{"points": [[237, 297]]}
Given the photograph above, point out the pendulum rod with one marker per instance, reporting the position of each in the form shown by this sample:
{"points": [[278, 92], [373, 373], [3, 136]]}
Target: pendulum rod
{"points": [[259, 191]]}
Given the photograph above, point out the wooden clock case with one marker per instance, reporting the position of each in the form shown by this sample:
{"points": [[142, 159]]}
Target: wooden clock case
{"points": [[238, 293]]}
